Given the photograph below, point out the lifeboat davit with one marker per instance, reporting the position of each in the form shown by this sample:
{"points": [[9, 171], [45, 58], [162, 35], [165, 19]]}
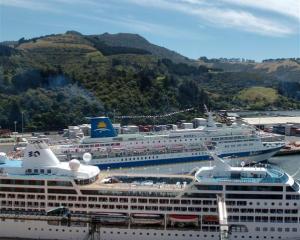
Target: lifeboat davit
{"points": [[183, 218]]}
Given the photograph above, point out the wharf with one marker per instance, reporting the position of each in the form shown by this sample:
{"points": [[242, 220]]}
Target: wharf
{"points": [[292, 151]]}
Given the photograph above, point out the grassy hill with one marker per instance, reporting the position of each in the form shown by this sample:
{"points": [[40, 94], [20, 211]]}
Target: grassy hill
{"points": [[59, 79], [258, 97], [287, 70]]}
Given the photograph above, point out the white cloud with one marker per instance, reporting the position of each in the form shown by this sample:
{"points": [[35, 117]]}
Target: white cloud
{"points": [[289, 8], [236, 14], [224, 15], [30, 4]]}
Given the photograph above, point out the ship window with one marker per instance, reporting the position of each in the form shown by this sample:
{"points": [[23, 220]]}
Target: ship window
{"points": [[60, 183], [62, 191], [49, 171], [209, 187]]}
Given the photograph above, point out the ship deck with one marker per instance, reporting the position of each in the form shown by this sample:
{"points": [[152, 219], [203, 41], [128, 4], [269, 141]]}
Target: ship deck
{"points": [[123, 181]]}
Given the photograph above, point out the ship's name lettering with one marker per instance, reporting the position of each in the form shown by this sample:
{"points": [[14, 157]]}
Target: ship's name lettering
{"points": [[34, 154], [189, 136]]}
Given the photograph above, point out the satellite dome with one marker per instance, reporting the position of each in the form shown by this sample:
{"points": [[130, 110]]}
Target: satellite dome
{"points": [[87, 157], [74, 164], [3, 157]]}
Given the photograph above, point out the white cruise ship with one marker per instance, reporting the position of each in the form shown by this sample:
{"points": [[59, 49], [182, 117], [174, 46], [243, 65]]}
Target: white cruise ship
{"points": [[176, 151], [218, 202]]}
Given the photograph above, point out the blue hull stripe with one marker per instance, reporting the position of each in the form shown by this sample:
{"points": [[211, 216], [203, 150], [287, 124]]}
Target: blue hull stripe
{"points": [[181, 159]]}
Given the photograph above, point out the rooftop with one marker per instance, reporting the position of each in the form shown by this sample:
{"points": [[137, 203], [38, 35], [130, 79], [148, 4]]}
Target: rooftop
{"points": [[272, 120]]}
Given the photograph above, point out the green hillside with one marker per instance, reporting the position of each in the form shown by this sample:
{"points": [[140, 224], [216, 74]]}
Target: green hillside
{"points": [[60, 79], [258, 97]]}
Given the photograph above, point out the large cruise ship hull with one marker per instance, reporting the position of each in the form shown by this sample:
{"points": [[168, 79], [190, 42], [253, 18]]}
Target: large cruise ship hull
{"points": [[15, 229], [185, 164]]}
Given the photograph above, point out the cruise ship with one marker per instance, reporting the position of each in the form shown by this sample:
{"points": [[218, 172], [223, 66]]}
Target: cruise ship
{"points": [[175, 151], [217, 202]]}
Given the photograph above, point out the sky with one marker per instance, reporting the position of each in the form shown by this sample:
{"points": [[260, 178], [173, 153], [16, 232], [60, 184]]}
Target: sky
{"points": [[251, 29]]}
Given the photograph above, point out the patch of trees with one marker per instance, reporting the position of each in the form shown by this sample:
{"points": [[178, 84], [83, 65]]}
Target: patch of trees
{"points": [[183, 69], [107, 50], [6, 50]]}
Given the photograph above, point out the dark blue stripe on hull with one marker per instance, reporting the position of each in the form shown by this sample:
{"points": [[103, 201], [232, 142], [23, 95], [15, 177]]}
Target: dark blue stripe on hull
{"points": [[181, 160]]}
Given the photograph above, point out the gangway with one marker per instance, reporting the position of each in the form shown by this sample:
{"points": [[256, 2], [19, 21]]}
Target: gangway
{"points": [[224, 228]]}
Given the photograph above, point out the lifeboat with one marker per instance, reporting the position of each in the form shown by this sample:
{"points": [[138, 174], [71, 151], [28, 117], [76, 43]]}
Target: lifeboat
{"points": [[139, 149], [146, 219], [110, 218], [210, 218], [159, 147], [118, 149], [183, 218], [176, 147]]}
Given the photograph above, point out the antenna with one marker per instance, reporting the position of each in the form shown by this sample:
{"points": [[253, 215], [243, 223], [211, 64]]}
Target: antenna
{"points": [[296, 173], [206, 109], [210, 119]]}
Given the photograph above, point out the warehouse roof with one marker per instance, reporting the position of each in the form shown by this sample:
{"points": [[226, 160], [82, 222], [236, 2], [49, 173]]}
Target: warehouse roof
{"points": [[271, 120]]}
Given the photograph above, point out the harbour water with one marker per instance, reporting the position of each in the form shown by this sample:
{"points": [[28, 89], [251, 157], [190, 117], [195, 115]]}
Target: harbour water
{"points": [[290, 164]]}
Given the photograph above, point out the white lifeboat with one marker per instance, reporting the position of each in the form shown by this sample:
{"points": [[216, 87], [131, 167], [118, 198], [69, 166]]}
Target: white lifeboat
{"points": [[146, 219]]}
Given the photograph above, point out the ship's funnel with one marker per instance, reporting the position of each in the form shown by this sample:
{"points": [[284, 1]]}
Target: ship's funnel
{"points": [[102, 127], [39, 155]]}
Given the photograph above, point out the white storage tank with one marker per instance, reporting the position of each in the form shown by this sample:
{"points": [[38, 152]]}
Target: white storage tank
{"points": [[197, 122]]}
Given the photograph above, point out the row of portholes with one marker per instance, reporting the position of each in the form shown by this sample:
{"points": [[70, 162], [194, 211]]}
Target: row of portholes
{"points": [[162, 234], [54, 230], [189, 235], [257, 237]]}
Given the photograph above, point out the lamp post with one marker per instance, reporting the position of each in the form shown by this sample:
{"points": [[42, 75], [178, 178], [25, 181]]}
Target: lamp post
{"points": [[15, 122], [22, 113]]}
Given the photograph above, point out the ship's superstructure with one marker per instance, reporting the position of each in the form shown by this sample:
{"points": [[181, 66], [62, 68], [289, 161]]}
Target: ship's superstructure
{"points": [[218, 202], [174, 151]]}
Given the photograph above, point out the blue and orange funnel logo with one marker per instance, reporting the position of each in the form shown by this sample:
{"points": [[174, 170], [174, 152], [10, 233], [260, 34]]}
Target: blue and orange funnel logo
{"points": [[102, 127]]}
